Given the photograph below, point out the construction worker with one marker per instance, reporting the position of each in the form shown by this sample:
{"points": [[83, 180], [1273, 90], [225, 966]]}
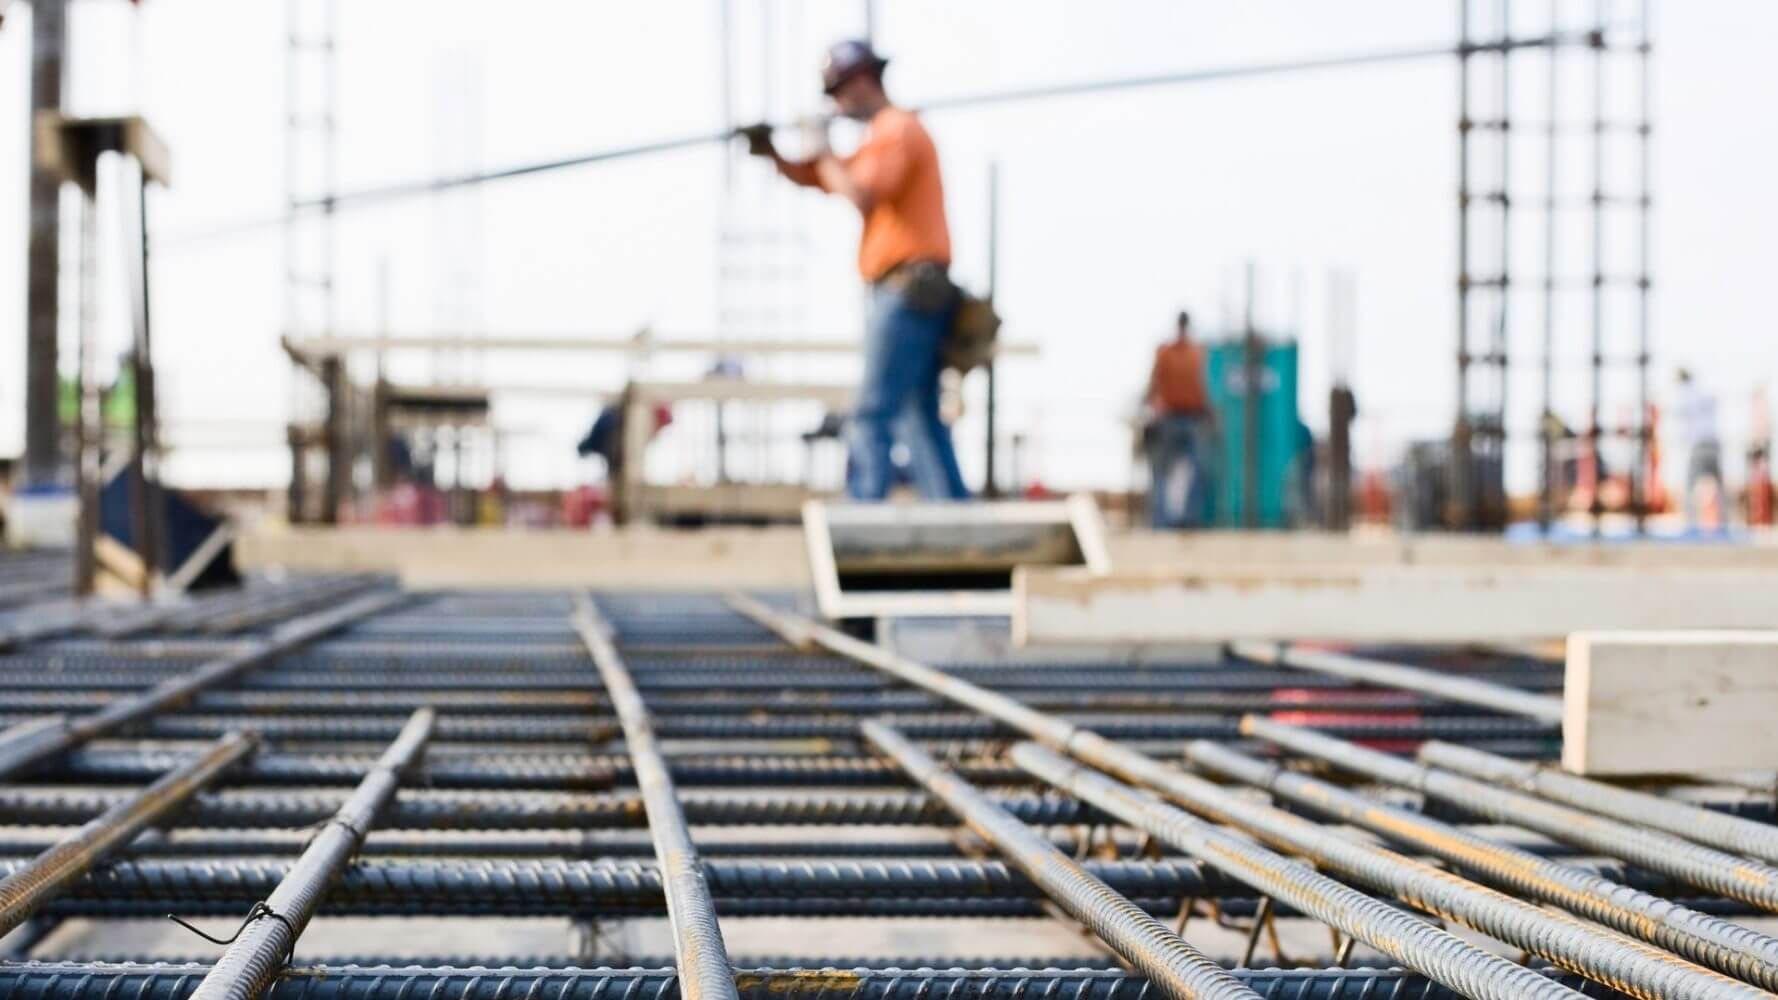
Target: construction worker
{"points": [[1703, 469], [1180, 433], [903, 255]]}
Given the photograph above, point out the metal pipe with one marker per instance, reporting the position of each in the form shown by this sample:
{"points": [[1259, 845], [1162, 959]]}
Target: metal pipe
{"points": [[26, 889], [1720, 873], [1726, 947], [1543, 708], [1595, 952], [1176, 968], [19, 752], [697, 937], [1406, 938], [67, 981], [1740, 836], [264, 945]]}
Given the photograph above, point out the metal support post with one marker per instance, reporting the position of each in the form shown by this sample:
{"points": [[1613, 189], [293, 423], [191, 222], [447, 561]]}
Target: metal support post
{"points": [[43, 430]]}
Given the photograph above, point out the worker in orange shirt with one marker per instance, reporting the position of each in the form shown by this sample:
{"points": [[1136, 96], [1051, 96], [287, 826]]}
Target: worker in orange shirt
{"points": [[904, 254], [1180, 433]]}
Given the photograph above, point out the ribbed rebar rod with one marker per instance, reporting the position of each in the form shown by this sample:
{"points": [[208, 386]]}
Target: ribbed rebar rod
{"points": [[1176, 968], [71, 981], [793, 634], [1406, 938], [704, 969], [1707, 868], [1596, 952], [261, 948], [1543, 708], [1730, 833], [1711, 941], [20, 752], [429, 809], [563, 886], [48, 874]]}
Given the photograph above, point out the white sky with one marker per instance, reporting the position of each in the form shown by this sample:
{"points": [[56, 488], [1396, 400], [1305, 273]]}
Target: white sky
{"points": [[1117, 210]]}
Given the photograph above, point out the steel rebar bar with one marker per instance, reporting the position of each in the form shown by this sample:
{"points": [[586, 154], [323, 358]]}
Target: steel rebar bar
{"points": [[1176, 968], [19, 753], [56, 981], [1408, 939], [1719, 944], [1601, 954], [703, 963], [1543, 708], [1707, 868], [48, 874], [1757, 840], [262, 946]]}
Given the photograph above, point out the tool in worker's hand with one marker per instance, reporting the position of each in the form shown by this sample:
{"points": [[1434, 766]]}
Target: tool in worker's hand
{"points": [[759, 138]]}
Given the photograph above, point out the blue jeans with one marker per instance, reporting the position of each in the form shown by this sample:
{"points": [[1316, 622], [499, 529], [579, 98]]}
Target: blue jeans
{"points": [[898, 401], [1179, 445]]}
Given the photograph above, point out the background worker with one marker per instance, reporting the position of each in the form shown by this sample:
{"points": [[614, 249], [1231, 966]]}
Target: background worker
{"points": [[1180, 433], [904, 253], [1703, 463]]}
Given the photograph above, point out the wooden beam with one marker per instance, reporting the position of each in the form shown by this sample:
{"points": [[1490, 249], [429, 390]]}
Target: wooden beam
{"points": [[1377, 605], [1670, 702]]}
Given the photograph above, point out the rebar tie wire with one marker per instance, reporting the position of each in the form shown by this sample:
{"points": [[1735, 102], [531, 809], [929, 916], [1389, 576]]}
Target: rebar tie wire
{"points": [[254, 912]]}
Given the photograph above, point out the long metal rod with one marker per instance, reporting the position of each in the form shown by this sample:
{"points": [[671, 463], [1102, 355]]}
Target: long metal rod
{"points": [[1721, 873], [1711, 941], [48, 874], [1543, 708], [428, 809], [378, 195], [1443, 957], [21, 750], [1177, 969], [247, 968], [1600, 954], [71, 981], [1730, 833], [697, 937]]}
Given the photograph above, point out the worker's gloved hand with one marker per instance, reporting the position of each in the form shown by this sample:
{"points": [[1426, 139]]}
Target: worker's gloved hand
{"points": [[759, 139]]}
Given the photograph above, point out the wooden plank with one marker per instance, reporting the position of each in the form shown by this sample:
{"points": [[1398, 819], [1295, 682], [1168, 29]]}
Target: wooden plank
{"points": [[1377, 605], [1670, 702]]}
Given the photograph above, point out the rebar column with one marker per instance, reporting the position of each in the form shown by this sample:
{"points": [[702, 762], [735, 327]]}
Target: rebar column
{"points": [[1720, 873], [1711, 941], [704, 967], [264, 944], [1174, 967], [22, 892], [1441, 956]]}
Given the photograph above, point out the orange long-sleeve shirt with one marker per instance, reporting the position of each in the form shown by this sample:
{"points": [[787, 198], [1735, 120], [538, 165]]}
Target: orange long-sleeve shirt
{"points": [[897, 166]]}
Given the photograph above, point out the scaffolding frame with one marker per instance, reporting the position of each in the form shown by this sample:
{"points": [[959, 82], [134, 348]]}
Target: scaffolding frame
{"points": [[1485, 129]]}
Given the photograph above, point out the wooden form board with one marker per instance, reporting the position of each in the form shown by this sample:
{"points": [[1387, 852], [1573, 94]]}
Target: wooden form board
{"points": [[1670, 702], [1379, 605]]}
